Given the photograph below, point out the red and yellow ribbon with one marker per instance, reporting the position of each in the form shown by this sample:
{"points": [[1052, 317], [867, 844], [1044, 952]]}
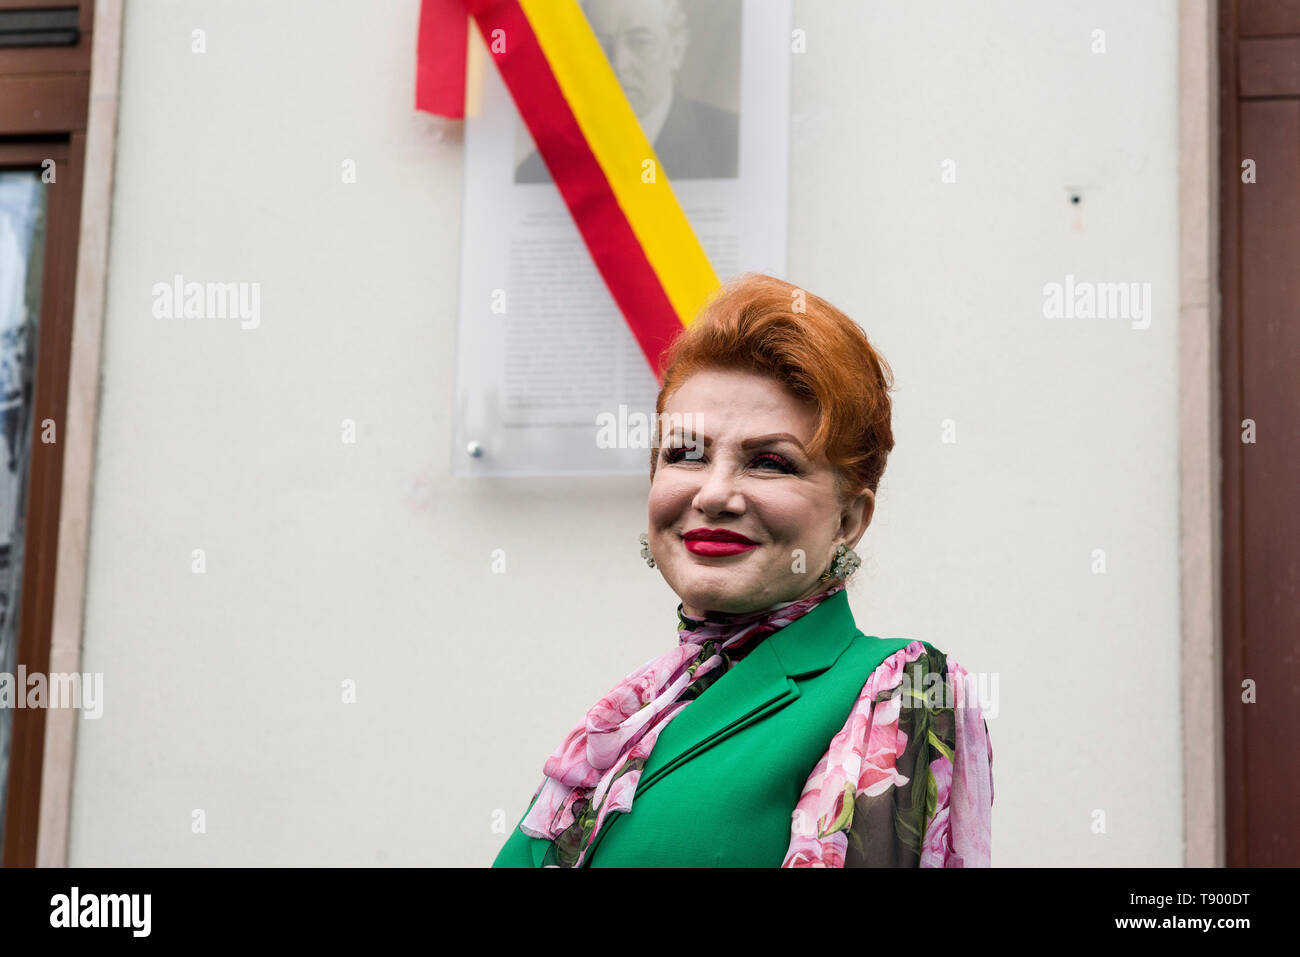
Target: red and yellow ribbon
{"points": [[590, 139]]}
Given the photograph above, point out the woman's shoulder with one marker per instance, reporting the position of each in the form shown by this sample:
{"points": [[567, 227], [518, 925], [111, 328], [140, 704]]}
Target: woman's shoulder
{"points": [[917, 719], [900, 653], [922, 670]]}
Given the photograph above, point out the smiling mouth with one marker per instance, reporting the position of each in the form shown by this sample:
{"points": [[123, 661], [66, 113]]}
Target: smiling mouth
{"points": [[714, 543]]}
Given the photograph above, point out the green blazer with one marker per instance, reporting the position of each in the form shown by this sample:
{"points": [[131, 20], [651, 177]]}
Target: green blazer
{"points": [[722, 781]]}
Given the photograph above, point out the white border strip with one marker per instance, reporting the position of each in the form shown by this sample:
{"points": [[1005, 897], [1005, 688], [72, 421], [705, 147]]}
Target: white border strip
{"points": [[1200, 410]]}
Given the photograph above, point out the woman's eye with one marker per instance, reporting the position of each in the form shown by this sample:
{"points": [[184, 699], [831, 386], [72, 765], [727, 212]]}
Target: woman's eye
{"points": [[779, 461], [764, 460]]}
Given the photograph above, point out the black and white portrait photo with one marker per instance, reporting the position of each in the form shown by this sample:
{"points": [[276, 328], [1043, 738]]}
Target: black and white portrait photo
{"points": [[677, 63]]}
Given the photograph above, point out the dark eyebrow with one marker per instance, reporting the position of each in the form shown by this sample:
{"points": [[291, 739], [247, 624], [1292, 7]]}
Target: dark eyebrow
{"points": [[774, 437], [749, 443]]}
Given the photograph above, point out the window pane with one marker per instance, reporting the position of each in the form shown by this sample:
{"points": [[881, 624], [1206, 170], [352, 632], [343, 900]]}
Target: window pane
{"points": [[22, 242]]}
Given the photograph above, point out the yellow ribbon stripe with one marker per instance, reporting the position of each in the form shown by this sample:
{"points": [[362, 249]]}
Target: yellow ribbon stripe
{"points": [[615, 138]]}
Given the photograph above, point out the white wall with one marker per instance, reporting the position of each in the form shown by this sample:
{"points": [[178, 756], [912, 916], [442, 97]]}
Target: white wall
{"points": [[328, 561]]}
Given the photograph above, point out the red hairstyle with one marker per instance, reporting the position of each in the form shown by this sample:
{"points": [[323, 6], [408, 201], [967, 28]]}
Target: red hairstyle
{"points": [[761, 324]]}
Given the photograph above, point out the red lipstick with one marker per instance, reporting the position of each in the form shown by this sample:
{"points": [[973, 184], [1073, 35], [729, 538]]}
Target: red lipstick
{"points": [[712, 542]]}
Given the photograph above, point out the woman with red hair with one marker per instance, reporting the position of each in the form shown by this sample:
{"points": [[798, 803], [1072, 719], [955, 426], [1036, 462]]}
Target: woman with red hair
{"points": [[775, 733]]}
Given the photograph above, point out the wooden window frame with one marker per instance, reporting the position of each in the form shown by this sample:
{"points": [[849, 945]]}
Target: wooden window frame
{"points": [[44, 104]]}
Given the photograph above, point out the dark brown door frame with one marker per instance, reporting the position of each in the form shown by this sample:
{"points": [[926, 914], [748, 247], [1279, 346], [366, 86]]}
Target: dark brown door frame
{"points": [[44, 98], [1259, 82]]}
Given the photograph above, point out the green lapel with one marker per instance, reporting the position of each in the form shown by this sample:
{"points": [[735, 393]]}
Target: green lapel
{"points": [[759, 685]]}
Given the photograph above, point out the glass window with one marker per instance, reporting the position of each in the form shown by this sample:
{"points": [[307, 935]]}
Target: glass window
{"points": [[22, 241]]}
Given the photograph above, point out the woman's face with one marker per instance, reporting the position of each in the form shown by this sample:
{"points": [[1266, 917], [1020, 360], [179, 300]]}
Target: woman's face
{"points": [[747, 480]]}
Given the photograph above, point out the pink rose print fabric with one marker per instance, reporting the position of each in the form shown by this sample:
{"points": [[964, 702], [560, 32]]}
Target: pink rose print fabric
{"points": [[908, 780]]}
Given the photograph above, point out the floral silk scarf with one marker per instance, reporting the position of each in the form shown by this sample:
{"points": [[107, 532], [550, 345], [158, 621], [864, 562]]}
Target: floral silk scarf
{"points": [[597, 767]]}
